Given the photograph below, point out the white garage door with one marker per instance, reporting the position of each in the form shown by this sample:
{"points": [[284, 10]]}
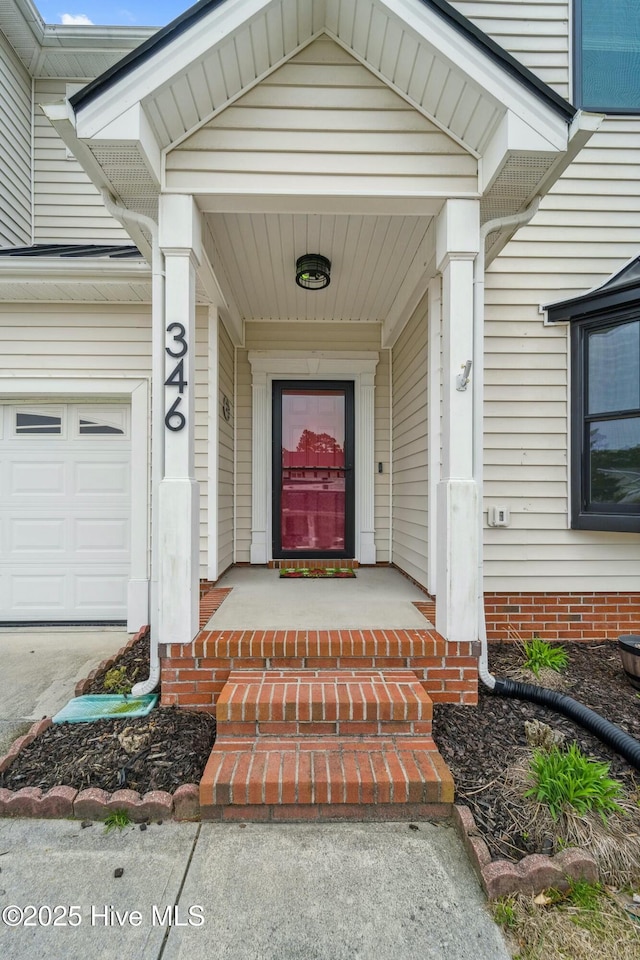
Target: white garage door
{"points": [[64, 511]]}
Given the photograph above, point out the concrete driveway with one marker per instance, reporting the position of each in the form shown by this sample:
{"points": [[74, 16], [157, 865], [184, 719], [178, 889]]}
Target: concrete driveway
{"points": [[40, 668]]}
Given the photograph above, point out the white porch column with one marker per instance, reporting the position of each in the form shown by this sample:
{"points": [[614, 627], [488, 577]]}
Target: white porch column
{"points": [[213, 439], [178, 499], [259, 462], [434, 386], [457, 244]]}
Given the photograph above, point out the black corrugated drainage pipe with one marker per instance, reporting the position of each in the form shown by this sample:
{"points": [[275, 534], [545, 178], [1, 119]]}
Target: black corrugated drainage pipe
{"points": [[624, 744]]}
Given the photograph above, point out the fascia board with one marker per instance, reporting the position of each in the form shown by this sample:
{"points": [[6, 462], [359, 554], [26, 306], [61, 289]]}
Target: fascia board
{"points": [[159, 70], [63, 269], [492, 78]]}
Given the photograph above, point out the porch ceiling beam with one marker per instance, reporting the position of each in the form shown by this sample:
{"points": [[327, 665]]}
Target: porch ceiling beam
{"points": [[392, 205]]}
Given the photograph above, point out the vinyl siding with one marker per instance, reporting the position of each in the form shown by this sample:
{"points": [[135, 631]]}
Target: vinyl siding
{"points": [[536, 32], [67, 206], [321, 123], [586, 229], [15, 150], [410, 527], [319, 336], [225, 456]]}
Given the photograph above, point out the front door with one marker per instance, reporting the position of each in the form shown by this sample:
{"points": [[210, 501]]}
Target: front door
{"points": [[313, 475]]}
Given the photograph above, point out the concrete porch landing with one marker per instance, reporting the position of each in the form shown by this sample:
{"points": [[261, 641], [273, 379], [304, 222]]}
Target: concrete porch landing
{"points": [[377, 598]]}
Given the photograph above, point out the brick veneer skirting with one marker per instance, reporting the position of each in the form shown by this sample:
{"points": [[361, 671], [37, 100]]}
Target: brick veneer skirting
{"points": [[193, 675], [561, 616]]}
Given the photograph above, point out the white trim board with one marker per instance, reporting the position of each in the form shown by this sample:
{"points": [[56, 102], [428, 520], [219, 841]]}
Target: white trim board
{"points": [[270, 365]]}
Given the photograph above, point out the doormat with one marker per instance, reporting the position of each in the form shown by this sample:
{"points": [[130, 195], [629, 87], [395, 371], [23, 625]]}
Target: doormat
{"points": [[300, 573]]}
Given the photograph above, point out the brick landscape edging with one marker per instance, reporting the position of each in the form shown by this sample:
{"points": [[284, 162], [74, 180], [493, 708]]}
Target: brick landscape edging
{"points": [[531, 875], [63, 802]]}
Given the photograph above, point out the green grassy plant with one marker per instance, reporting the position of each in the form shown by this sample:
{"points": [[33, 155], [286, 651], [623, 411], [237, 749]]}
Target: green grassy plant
{"points": [[540, 654], [566, 777], [117, 820]]}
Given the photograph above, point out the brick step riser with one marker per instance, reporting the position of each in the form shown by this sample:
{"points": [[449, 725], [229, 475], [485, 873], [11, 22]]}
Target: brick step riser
{"points": [[326, 813], [329, 770], [321, 728]]}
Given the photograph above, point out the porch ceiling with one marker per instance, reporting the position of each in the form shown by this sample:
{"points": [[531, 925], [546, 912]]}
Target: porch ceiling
{"points": [[376, 263]]}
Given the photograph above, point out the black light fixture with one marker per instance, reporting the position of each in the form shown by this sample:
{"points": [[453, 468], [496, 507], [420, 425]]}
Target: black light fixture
{"points": [[313, 272]]}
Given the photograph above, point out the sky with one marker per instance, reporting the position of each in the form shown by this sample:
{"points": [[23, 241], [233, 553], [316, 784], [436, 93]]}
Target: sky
{"points": [[139, 13]]}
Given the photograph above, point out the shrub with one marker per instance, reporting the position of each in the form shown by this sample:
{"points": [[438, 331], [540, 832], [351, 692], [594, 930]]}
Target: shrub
{"points": [[566, 777], [538, 654], [116, 681]]}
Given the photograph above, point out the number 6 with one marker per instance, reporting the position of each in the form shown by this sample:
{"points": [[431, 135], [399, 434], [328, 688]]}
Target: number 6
{"points": [[174, 414]]}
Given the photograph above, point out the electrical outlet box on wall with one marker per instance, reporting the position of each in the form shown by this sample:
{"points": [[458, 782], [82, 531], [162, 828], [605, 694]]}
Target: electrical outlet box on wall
{"points": [[499, 516]]}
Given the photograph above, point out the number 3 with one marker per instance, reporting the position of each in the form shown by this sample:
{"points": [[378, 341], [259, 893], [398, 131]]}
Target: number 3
{"points": [[178, 337]]}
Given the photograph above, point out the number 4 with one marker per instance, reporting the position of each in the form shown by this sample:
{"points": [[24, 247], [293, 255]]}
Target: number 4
{"points": [[176, 377]]}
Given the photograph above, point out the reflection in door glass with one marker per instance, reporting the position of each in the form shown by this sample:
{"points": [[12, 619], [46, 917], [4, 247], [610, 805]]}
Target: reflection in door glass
{"points": [[313, 474]]}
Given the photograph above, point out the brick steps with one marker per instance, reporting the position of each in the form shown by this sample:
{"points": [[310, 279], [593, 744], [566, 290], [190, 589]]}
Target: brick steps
{"points": [[322, 702], [308, 774], [324, 744], [194, 675]]}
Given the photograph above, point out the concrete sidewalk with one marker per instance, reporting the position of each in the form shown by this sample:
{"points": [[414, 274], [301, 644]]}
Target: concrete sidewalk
{"points": [[241, 892]]}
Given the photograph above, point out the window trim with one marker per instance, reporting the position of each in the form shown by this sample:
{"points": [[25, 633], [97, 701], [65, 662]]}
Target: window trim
{"points": [[578, 98], [625, 520]]}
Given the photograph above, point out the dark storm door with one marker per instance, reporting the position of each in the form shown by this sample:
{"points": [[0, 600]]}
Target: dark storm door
{"points": [[313, 475]]}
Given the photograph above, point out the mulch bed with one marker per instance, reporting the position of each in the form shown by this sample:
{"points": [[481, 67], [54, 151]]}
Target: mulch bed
{"points": [[171, 746], [161, 751], [480, 744]]}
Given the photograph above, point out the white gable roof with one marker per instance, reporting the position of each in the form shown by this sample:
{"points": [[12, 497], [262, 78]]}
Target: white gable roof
{"points": [[424, 50]]}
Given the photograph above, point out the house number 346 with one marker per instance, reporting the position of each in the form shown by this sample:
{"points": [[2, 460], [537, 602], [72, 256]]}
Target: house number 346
{"points": [[174, 418]]}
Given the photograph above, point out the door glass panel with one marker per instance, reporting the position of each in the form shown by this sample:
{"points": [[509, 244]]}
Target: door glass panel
{"points": [[313, 494]]}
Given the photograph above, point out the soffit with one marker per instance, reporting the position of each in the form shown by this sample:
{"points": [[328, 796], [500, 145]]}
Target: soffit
{"points": [[372, 261], [65, 51]]}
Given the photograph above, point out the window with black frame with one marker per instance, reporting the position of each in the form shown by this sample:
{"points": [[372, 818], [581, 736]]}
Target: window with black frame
{"points": [[606, 422], [607, 55]]}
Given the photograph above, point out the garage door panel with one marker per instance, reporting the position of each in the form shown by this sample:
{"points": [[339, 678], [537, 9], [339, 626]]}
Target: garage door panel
{"points": [[100, 536], [37, 592], [99, 591], [37, 535], [100, 479], [37, 477]]}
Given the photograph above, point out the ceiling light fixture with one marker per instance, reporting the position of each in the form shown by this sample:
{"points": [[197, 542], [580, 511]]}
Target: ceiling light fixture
{"points": [[313, 272]]}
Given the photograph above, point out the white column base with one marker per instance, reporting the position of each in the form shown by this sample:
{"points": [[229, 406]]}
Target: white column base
{"points": [[258, 546], [137, 605], [367, 547], [457, 569], [179, 547]]}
